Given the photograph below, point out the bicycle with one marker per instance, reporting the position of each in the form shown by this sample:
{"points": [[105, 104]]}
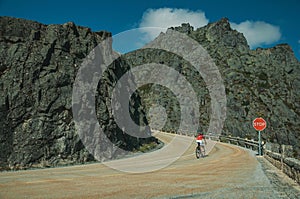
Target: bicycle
{"points": [[199, 152]]}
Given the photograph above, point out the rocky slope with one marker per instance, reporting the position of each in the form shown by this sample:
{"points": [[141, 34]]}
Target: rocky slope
{"points": [[259, 83], [38, 66]]}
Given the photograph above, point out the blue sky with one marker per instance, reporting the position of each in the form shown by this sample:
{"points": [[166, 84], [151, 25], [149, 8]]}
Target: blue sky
{"points": [[265, 23]]}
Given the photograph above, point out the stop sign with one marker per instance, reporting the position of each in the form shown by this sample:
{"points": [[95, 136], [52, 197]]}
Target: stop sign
{"points": [[259, 124]]}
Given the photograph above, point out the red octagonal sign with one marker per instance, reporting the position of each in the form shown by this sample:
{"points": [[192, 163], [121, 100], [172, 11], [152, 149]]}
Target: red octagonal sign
{"points": [[259, 124]]}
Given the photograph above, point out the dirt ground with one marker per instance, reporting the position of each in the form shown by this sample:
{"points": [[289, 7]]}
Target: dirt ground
{"points": [[227, 171]]}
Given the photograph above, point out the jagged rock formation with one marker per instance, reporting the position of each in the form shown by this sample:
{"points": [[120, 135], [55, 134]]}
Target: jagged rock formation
{"points": [[38, 65], [259, 83]]}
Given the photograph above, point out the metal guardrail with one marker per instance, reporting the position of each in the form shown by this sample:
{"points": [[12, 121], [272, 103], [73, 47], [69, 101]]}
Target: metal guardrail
{"points": [[243, 142]]}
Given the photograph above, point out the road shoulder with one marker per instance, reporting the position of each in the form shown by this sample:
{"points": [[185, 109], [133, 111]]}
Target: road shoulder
{"points": [[285, 186]]}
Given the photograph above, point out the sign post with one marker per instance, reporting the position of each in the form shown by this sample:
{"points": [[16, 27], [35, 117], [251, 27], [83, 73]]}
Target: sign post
{"points": [[259, 143], [259, 124]]}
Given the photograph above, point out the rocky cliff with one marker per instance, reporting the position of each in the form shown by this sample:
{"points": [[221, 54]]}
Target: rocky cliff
{"points": [[259, 83], [38, 66]]}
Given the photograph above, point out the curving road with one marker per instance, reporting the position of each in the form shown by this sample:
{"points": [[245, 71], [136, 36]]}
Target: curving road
{"points": [[227, 172]]}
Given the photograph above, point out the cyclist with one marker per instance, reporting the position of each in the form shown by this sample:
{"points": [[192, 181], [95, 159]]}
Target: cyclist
{"points": [[201, 141]]}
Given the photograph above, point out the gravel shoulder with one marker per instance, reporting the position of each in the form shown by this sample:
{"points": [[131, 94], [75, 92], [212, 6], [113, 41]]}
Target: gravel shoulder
{"points": [[285, 186]]}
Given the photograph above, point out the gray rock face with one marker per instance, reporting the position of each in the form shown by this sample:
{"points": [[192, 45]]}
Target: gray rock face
{"points": [[259, 83], [38, 66], [39, 63]]}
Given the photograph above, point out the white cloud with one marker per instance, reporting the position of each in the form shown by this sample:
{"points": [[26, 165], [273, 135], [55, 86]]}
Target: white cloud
{"points": [[154, 21], [258, 33], [170, 17]]}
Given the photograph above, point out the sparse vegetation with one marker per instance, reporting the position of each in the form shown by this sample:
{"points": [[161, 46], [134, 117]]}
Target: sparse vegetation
{"points": [[147, 147]]}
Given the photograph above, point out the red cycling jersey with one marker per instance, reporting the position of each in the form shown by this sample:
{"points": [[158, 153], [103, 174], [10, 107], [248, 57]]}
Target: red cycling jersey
{"points": [[200, 137]]}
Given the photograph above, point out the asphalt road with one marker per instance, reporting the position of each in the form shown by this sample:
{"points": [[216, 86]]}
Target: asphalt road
{"points": [[227, 172]]}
